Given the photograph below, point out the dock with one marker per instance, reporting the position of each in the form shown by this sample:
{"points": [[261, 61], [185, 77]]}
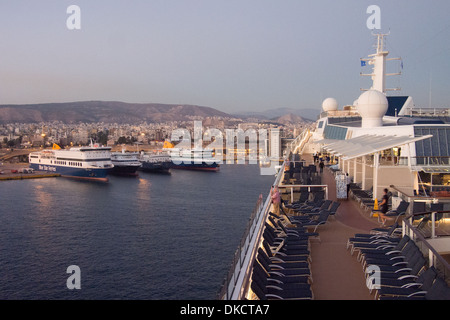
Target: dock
{"points": [[11, 171]]}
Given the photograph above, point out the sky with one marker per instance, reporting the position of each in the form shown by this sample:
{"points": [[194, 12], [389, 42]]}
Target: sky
{"points": [[232, 55]]}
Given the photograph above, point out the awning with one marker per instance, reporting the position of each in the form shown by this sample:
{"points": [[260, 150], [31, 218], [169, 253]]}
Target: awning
{"points": [[437, 169], [368, 144]]}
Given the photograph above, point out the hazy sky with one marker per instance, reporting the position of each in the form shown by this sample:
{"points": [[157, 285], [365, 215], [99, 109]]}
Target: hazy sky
{"points": [[233, 55]]}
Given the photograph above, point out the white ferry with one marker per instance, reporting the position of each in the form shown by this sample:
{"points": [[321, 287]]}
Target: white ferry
{"points": [[125, 163], [90, 162], [194, 159]]}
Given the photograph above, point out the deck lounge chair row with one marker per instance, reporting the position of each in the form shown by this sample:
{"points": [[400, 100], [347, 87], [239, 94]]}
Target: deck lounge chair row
{"points": [[281, 269], [395, 268]]}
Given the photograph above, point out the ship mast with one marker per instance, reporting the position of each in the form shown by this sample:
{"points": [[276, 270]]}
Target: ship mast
{"points": [[378, 61]]}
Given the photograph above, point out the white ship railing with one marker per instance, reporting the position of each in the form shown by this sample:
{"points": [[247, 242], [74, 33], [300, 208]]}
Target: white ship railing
{"points": [[234, 285], [238, 277]]}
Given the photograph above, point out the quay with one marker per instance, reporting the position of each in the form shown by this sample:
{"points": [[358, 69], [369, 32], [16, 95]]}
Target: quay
{"points": [[12, 172]]}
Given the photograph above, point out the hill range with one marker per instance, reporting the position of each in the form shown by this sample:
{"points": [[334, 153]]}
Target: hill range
{"points": [[121, 112]]}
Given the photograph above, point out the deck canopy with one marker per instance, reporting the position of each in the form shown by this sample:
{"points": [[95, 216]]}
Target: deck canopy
{"points": [[366, 145]]}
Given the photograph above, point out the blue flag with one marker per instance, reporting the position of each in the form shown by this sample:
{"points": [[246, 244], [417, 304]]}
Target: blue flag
{"points": [[363, 63]]}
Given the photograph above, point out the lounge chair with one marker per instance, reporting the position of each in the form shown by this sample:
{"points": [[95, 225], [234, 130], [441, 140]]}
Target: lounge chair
{"points": [[272, 292], [324, 205], [269, 266], [421, 283], [439, 290], [286, 256], [397, 213], [412, 267], [381, 250]]}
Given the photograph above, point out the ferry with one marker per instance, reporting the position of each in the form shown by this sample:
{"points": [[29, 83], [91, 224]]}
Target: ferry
{"points": [[155, 162], [307, 251], [192, 158], [125, 163], [89, 163]]}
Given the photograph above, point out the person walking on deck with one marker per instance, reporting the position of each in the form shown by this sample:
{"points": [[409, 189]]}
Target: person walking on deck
{"points": [[384, 207]]}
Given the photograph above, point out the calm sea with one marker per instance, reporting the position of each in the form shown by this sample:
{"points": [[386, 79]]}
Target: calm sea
{"points": [[152, 237]]}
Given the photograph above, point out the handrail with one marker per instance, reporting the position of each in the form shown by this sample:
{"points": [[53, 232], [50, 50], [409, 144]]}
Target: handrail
{"points": [[433, 254], [238, 273], [425, 213]]}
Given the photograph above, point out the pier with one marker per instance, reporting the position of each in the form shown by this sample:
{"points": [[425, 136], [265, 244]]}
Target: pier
{"points": [[12, 171]]}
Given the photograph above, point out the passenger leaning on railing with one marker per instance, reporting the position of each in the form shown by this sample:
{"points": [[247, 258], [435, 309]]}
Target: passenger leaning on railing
{"points": [[276, 199]]}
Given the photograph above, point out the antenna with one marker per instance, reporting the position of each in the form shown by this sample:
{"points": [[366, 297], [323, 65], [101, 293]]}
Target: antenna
{"points": [[378, 61]]}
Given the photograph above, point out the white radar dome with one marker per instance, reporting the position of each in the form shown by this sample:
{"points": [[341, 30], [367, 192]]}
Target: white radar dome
{"points": [[329, 104], [372, 106]]}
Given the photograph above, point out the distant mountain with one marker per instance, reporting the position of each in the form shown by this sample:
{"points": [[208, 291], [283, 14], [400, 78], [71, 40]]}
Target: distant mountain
{"points": [[104, 111], [291, 119], [310, 114], [121, 112]]}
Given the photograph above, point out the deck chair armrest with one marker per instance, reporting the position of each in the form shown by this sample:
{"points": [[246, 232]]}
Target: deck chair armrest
{"points": [[275, 280], [417, 293], [276, 273], [397, 257], [292, 232], [380, 241], [400, 263], [392, 252], [277, 259], [320, 223], [277, 267], [274, 287], [411, 285], [403, 269], [385, 246], [274, 296], [280, 254], [408, 276]]}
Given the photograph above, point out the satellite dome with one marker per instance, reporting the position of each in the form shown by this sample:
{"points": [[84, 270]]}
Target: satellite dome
{"points": [[329, 104], [372, 106]]}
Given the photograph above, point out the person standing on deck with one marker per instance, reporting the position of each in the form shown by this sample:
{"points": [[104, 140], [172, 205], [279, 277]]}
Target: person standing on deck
{"points": [[349, 181], [384, 207], [276, 199], [321, 165]]}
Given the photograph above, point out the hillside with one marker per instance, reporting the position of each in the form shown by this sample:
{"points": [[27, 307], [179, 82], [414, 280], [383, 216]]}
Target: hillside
{"points": [[104, 111], [291, 119], [121, 113]]}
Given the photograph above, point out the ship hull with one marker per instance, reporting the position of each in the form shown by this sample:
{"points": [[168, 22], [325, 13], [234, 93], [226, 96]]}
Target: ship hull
{"points": [[124, 170], [99, 174], [161, 167], [198, 167]]}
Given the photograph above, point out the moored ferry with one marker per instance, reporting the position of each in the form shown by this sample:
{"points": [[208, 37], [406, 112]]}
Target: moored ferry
{"points": [[194, 159], [155, 162], [89, 162], [125, 163]]}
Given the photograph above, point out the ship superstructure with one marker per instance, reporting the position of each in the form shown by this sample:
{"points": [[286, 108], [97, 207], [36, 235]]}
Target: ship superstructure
{"points": [[89, 162]]}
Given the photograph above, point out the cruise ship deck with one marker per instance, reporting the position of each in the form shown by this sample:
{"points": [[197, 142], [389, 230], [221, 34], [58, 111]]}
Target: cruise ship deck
{"points": [[337, 274], [378, 144]]}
